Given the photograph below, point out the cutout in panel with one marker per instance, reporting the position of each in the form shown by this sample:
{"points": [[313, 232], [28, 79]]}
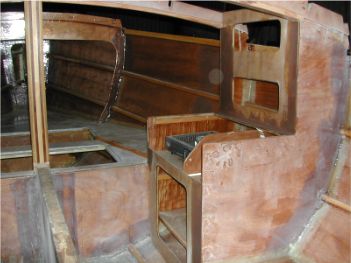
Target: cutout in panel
{"points": [[263, 33], [256, 93]]}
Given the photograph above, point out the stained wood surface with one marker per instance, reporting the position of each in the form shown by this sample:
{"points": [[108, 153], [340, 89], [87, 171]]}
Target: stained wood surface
{"points": [[186, 70], [71, 135], [183, 63], [36, 85], [171, 194], [54, 149], [160, 127], [80, 78]]}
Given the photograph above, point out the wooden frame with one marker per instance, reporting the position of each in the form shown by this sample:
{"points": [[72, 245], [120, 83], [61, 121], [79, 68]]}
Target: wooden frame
{"points": [[173, 166], [36, 86], [280, 68]]}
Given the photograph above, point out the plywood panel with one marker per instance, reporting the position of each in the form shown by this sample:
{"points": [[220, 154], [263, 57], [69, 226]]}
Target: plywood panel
{"points": [[160, 127], [106, 208], [171, 194], [188, 64], [269, 187], [330, 240], [150, 99]]}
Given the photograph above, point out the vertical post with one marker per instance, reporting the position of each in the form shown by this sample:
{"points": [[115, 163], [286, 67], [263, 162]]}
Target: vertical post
{"points": [[36, 84]]}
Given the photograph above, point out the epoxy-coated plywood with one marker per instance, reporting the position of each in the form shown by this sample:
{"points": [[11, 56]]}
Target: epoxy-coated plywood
{"points": [[105, 209], [330, 241], [259, 194]]}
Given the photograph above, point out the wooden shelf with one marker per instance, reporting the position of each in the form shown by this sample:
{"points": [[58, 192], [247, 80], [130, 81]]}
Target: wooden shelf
{"points": [[175, 221]]}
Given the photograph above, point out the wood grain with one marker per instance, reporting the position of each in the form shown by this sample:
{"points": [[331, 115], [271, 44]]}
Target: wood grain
{"points": [[160, 127]]}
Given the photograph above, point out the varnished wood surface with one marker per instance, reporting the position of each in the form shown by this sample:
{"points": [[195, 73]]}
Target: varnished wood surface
{"points": [[160, 127], [171, 194], [70, 135], [191, 74], [36, 85]]}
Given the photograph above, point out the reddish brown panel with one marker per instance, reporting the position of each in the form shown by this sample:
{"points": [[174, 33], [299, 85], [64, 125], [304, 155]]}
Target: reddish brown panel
{"points": [[151, 99], [104, 52], [188, 64], [255, 92], [171, 194], [86, 81], [267, 95], [54, 137], [10, 244], [330, 241], [110, 207], [159, 128]]}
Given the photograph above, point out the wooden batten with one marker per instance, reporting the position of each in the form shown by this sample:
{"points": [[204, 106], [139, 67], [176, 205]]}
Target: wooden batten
{"points": [[36, 86]]}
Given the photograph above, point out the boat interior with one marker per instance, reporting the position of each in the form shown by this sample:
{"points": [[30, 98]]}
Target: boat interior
{"points": [[175, 131]]}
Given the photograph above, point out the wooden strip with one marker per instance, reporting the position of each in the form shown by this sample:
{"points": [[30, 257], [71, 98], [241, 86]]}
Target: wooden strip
{"points": [[186, 39], [336, 203], [55, 149], [119, 145], [129, 114], [83, 62], [184, 118], [166, 84], [100, 103], [135, 252], [36, 84], [64, 246]]}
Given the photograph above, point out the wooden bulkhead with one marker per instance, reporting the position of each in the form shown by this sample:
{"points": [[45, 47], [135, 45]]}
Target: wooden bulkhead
{"points": [[271, 184]]}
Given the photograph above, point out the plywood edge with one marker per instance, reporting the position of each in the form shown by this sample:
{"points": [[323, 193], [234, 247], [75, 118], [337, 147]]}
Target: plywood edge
{"points": [[183, 118], [186, 39]]}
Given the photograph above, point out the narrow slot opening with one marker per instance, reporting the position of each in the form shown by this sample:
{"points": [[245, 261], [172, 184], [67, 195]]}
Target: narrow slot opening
{"points": [[263, 33], [256, 93]]}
